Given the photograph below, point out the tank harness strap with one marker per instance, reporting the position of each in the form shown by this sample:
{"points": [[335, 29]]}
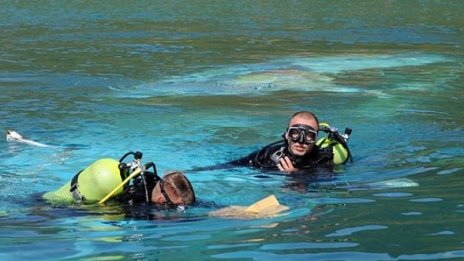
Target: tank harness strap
{"points": [[74, 190]]}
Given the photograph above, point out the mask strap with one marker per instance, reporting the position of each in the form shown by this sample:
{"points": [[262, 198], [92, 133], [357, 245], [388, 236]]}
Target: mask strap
{"points": [[165, 195]]}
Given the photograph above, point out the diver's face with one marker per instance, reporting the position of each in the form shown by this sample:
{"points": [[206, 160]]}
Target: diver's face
{"points": [[300, 147], [156, 196]]}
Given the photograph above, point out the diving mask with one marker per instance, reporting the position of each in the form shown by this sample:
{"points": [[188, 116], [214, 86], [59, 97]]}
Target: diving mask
{"points": [[302, 133]]}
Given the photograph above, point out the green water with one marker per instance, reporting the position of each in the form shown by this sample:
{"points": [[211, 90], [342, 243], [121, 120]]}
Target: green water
{"points": [[195, 83]]}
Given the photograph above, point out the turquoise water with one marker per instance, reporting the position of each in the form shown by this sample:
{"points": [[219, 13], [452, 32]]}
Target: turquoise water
{"points": [[195, 83]]}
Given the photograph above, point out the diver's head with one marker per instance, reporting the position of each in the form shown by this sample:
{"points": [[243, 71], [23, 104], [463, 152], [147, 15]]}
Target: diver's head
{"points": [[301, 134], [174, 189]]}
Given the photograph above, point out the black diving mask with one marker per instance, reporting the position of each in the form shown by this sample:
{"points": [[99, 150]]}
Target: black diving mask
{"points": [[302, 133]]}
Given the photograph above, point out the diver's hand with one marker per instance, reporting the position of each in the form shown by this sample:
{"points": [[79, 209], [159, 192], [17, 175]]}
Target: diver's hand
{"points": [[286, 165]]}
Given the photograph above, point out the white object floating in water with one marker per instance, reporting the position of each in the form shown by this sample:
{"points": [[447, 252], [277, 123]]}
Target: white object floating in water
{"points": [[13, 136]]}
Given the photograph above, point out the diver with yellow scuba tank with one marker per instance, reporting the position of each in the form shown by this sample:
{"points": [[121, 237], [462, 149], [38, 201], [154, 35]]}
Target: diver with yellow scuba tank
{"points": [[133, 183], [300, 150], [130, 182]]}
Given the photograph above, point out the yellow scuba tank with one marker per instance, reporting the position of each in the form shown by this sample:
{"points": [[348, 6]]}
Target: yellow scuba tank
{"points": [[337, 141], [91, 184]]}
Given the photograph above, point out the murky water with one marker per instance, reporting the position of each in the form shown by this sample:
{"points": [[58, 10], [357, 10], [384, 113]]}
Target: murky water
{"points": [[195, 83]]}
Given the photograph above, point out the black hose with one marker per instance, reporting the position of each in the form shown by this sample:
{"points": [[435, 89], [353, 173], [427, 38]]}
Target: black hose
{"points": [[151, 165], [125, 155]]}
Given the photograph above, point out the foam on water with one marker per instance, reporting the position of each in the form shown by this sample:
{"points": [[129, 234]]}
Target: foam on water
{"points": [[297, 73], [343, 63]]}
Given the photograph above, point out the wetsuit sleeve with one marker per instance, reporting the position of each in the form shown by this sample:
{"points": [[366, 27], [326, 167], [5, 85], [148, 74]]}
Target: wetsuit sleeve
{"points": [[259, 159], [247, 160]]}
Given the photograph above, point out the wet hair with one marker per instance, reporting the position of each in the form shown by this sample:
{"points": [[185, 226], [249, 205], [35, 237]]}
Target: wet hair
{"points": [[305, 115], [181, 185]]}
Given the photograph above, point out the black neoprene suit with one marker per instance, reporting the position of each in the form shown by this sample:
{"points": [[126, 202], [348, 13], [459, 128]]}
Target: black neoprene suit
{"points": [[262, 158]]}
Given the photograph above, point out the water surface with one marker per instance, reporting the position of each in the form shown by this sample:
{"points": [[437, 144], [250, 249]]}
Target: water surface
{"points": [[195, 83]]}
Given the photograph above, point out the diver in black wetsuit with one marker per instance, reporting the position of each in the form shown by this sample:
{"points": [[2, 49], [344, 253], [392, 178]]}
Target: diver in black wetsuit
{"points": [[276, 156], [299, 150], [296, 152]]}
